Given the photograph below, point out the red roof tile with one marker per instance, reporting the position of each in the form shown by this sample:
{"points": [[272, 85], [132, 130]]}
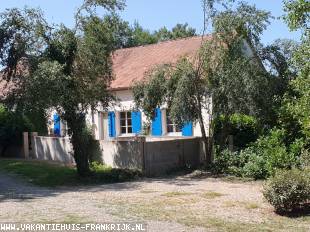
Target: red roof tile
{"points": [[131, 64]]}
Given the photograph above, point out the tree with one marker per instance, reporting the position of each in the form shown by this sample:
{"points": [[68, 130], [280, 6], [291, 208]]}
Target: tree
{"points": [[295, 113], [221, 71], [177, 32], [69, 69], [140, 36], [12, 125]]}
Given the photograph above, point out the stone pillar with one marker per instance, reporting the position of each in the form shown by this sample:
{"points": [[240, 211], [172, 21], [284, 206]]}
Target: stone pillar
{"points": [[25, 145]]}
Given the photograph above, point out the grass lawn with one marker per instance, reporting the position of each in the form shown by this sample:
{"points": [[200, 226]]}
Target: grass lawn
{"points": [[52, 175]]}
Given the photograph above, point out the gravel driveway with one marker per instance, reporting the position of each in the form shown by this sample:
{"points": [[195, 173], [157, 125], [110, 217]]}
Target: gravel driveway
{"points": [[169, 204]]}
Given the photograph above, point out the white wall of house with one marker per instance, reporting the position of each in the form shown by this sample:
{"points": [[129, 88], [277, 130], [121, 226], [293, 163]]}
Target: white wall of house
{"points": [[125, 102], [98, 120]]}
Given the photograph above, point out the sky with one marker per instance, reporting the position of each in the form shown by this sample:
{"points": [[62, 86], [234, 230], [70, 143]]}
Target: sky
{"points": [[154, 14]]}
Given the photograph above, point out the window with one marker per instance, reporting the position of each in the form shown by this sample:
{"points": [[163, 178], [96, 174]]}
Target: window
{"points": [[126, 123], [172, 127]]}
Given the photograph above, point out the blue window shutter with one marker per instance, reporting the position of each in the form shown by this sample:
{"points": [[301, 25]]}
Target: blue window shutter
{"points": [[111, 119], [187, 129], [56, 125], [136, 122], [156, 123]]}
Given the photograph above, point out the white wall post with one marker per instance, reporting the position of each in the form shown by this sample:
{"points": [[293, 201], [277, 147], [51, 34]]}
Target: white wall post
{"points": [[164, 121]]}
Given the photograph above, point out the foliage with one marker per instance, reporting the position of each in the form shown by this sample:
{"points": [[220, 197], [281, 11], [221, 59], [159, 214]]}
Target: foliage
{"points": [[228, 162], [255, 167], [262, 158], [221, 69], [126, 35], [107, 174], [139, 36], [295, 110], [297, 13], [246, 20], [177, 32], [54, 175], [305, 159], [244, 129], [288, 190], [70, 69], [12, 125]]}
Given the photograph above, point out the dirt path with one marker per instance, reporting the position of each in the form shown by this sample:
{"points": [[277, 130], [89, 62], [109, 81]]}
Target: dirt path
{"points": [[170, 204]]}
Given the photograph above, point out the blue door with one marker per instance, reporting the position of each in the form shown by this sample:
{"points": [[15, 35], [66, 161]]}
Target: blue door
{"points": [[156, 123], [187, 129], [56, 124], [111, 122], [136, 122]]}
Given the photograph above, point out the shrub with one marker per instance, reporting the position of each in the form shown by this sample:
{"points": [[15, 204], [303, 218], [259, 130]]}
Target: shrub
{"points": [[104, 173], [305, 159], [229, 162], [272, 149], [288, 189], [255, 168], [222, 161], [12, 125], [244, 129], [262, 158]]}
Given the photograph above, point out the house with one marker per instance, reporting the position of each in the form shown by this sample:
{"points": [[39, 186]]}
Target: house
{"points": [[129, 66]]}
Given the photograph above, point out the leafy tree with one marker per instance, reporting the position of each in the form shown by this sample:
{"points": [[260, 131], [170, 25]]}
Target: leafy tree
{"points": [[177, 32], [221, 71], [297, 13], [12, 125], [69, 69], [141, 36], [295, 113]]}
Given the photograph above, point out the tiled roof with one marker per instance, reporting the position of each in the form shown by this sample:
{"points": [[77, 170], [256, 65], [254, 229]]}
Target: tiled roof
{"points": [[131, 64]]}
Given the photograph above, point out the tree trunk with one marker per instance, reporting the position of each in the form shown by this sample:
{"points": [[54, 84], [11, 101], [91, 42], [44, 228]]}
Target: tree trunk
{"points": [[80, 143], [205, 139]]}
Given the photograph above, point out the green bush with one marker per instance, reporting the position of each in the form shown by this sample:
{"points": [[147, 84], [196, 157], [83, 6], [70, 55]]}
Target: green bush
{"points": [[243, 128], [260, 160], [104, 173], [288, 189], [255, 168], [272, 154], [12, 125], [227, 162], [305, 159], [222, 161]]}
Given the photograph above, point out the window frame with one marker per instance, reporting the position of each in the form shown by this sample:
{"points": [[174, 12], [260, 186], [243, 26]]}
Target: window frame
{"points": [[170, 125], [128, 126]]}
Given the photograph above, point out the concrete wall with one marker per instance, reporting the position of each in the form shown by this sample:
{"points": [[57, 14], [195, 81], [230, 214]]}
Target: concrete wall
{"points": [[154, 156], [123, 153], [52, 149], [162, 156]]}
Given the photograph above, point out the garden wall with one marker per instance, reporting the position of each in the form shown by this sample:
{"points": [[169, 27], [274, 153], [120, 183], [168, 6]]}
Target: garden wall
{"points": [[52, 149], [153, 156]]}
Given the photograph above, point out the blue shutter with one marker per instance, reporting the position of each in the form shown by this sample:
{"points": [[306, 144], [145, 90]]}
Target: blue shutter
{"points": [[187, 129], [136, 122], [111, 119], [156, 123], [56, 125]]}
